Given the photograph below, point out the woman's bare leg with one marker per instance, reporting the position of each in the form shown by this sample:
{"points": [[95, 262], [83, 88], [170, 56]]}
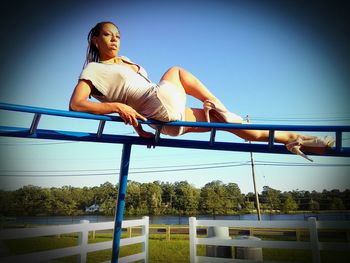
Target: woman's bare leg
{"points": [[192, 86], [197, 115], [184, 80]]}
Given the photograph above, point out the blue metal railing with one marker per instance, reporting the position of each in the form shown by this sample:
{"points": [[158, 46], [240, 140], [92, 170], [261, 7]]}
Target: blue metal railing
{"points": [[128, 141], [83, 115], [270, 147]]}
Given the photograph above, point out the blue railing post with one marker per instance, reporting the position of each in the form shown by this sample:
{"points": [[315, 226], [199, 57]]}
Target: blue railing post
{"points": [[123, 181], [271, 138]]}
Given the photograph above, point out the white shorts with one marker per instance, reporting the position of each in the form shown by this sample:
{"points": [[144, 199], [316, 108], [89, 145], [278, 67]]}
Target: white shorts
{"points": [[173, 101]]}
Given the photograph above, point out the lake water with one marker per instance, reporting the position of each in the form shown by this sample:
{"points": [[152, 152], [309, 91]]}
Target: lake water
{"points": [[171, 220]]}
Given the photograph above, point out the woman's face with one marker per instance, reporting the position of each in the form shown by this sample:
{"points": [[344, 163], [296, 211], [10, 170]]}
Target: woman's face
{"points": [[108, 42]]}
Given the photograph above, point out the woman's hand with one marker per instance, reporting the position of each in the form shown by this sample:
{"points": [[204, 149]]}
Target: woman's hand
{"points": [[144, 134], [129, 115]]}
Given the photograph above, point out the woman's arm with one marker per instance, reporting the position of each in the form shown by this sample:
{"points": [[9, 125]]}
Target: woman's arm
{"points": [[80, 102]]}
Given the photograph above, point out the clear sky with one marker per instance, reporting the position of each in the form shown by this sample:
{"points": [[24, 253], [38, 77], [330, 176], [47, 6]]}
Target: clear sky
{"points": [[277, 63]]}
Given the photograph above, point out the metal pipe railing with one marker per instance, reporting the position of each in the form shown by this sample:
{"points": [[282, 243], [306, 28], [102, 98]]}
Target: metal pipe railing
{"points": [[83, 115], [34, 132], [128, 141]]}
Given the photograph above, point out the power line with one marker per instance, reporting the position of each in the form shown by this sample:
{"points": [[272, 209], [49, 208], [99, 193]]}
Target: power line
{"points": [[273, 163], [34, 144], [46, 143], [301, 164], [159, 169], [131, 172], [113, 169], [326, 117], [302, 119]]}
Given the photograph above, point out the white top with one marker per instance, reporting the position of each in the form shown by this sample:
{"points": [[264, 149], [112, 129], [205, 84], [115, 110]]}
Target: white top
{"points": [[119, 83]]}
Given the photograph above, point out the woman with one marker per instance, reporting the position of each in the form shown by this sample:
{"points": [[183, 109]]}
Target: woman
{"points": [[123, 87]]}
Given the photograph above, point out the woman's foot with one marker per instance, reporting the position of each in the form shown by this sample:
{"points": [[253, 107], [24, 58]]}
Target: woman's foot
{"points": [[313, 144], [217, 109]]}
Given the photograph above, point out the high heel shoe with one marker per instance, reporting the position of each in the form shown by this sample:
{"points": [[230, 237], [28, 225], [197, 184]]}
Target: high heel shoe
{"points": [[220, 111], [316, 142]]}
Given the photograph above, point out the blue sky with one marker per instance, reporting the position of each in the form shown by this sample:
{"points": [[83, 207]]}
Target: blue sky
{"points": [[260, 60]]}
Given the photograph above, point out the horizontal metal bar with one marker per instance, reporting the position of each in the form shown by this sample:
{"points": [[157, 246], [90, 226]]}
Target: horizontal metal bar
{"points": [[176, 143], [83, 115], [54, 112]]}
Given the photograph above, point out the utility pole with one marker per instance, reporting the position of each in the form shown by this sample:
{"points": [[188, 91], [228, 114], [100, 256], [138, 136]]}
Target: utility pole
{"points": [[253, 174]]}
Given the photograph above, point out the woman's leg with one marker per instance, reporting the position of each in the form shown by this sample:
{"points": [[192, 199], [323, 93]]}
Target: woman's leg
{"points": [[197, 115], [189, 84], [183, 79]]}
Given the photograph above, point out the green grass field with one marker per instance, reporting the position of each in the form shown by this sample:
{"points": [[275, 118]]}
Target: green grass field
{"points": [[160, 249]]}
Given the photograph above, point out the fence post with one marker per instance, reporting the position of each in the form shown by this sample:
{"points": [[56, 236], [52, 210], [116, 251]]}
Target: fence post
{"points": [[297, 234], [145, 232], [314, 240], [128, 232], [168, 233], [193, 239], [251, 231], [83, 241]]}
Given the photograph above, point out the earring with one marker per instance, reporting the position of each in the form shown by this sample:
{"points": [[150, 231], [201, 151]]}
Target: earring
{"points": [[95, 44]]}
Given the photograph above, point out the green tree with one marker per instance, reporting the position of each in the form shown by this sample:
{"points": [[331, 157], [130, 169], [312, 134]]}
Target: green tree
{"points": [[234, 198], [337, 204], [212, 198], [289, 204], [133, 198], [249, 202], [316, 199], [168, 198], [84, 198], [7, 203], [313, 205], [106, 196], [62, 202], [187, 198], [31, 200], [326, 199], [271, 197], [152, 194], [346, 198], [302, 198]]}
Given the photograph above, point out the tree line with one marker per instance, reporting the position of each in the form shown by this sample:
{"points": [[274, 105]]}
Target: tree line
{"points": [[164, 198]]}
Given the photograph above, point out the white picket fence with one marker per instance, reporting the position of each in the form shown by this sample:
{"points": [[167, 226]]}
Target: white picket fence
{"points": [[311, 225], [83, 246]]}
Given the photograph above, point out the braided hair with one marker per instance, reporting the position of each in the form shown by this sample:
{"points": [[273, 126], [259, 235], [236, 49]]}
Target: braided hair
{"points": [[92, 54]]}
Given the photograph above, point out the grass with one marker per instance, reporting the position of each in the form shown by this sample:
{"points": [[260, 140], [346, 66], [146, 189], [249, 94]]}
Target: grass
{"points": [[160, 249]]}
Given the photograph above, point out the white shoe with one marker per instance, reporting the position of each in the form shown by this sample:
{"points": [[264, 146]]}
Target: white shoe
{"points": [[220, 111], [317, 142]]}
